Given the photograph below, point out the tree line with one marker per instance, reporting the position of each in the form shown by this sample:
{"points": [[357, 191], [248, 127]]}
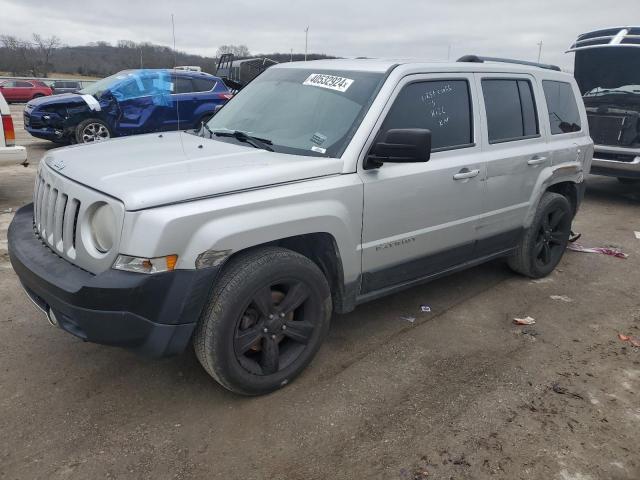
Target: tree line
{"points": [[39, 56]]}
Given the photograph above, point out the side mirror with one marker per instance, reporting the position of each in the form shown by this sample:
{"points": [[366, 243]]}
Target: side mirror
{"points": [[401, 145]]}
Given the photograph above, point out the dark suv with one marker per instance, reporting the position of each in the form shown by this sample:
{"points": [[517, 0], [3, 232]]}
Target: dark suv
{"points": [[65, 86], [127, 103]]}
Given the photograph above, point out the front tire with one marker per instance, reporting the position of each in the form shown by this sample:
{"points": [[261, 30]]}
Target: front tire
{"points": [[92, 130], [266, 318], [545, 241]]}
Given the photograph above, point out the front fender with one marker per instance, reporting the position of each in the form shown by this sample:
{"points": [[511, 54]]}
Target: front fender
{"points": [[235, 222]]}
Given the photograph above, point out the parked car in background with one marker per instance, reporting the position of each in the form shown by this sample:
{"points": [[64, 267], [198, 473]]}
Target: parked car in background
{"points": [[65, 86], [127, 103], [320, 186], [10, 153], [23, 90], [607, 69]]}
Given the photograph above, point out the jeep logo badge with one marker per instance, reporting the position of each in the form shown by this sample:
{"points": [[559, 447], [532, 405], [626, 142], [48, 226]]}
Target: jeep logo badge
{"points": [[58, 164]]}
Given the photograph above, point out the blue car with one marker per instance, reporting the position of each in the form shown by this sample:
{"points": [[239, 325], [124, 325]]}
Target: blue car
{"points": [[128, 103]]}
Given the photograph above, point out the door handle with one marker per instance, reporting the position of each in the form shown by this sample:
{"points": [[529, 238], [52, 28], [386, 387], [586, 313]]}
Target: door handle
{"points": [[536, 160], [465, 173]]}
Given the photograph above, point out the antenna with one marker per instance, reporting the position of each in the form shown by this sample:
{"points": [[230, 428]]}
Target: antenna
{"points": [[175, 63]]}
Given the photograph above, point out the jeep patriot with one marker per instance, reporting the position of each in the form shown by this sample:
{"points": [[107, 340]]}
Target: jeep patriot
{"points": [[320, 186]]}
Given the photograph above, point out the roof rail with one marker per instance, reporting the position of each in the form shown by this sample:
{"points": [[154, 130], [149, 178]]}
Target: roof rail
{"points": [[477, 59]]}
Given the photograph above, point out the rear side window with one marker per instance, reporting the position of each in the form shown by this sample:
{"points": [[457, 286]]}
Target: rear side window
{"points": [[183, 85], [564, 116], [511, 110], [203, 84], [442, 106], [24, 84]]}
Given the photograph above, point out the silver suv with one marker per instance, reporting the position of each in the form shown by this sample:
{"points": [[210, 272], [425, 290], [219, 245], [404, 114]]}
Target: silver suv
{"points": [[320, 186]]}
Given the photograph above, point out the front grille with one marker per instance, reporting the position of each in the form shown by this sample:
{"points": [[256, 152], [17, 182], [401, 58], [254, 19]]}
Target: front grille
{"points": [[618, 157], [618, 130], [55, 217]]}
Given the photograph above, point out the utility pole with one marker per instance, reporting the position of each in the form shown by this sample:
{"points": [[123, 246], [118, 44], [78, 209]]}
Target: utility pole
{"points": [[291, 57], [539, 50], [306, 42], [140, 57]]}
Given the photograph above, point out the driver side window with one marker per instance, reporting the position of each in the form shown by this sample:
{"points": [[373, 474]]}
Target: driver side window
{"points": [[442, 106]]}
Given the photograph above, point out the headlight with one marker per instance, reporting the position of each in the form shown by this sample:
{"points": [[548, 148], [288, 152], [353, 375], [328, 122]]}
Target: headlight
{"points": [[103, 228], [145, 265]]}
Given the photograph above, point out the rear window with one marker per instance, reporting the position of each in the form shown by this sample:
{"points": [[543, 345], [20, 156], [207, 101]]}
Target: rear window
{"points": [[511, 110], [442, 106], [564, 116]]}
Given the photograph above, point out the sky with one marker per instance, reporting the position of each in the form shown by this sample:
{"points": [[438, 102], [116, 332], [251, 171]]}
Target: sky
{"points": [[424, 29]]}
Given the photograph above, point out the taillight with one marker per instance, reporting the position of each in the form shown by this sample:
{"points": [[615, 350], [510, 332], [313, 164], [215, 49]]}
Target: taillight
{"points": [[225, 96], [9, 132]]}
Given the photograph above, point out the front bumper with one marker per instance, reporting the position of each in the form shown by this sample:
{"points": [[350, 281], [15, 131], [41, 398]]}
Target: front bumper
{"points": [[152, 314], [616, 168]]}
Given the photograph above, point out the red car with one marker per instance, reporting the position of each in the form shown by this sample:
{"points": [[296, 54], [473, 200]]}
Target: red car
{"points": [[23, 90]]}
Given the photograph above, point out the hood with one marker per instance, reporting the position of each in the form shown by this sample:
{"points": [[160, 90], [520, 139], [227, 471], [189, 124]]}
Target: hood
{"points": [[67, 99], [156, 169]]}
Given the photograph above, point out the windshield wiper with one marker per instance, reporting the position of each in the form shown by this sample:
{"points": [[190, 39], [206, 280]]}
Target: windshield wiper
{"points": [[257, 142]]}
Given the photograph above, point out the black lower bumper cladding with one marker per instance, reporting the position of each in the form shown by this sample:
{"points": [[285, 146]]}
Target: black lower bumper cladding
{"points": [[152, 314]]}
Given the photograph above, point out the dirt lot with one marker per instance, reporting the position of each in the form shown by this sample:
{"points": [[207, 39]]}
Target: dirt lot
{"points": [[461, 393]]}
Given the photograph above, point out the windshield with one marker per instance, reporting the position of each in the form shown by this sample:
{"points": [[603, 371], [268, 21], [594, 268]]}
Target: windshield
{"points": [[608, 71], [98, 88], [132, 84], [300, 111]]}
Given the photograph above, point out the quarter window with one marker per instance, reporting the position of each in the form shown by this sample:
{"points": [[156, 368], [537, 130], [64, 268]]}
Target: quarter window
{"points": [[511, 109], [203, 84], [564, 116], [442, 106]]}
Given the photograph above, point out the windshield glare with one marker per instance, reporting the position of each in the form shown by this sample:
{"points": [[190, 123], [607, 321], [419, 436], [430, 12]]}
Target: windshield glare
{"points": [[302, 111], [98, 88]]}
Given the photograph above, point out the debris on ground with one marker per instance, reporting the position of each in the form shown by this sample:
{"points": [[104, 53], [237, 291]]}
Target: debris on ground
{"points": [[7, 210], [637, 234], [524, 321], [562, 298], [425, 308], [556, 387], [613, 252], [573, 236], [408, 318], [634, 341]]}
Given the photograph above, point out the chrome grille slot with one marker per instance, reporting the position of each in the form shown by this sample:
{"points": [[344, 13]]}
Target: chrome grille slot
{"points": [[55, 215]]}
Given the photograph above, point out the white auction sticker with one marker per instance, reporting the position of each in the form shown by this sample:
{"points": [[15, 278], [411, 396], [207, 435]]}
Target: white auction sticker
{"points": [[331, 82], [91, 102]]}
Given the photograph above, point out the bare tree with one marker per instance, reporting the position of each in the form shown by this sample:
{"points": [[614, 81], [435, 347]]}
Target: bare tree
{"points": [[18, 53], [239, 51], [45, 48]]}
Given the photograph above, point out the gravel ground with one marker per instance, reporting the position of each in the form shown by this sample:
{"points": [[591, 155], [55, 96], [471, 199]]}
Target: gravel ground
{"points": [[461, 393]]}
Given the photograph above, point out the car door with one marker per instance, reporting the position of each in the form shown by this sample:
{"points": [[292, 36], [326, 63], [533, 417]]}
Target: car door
{"points": [[187, 101], [9, 91], [516, 150], [144, 103], [420, 218]]}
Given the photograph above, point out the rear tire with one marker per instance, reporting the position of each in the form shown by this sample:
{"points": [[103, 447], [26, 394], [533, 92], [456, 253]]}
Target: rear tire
{"points": [[545, 241], [266, 317]]}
